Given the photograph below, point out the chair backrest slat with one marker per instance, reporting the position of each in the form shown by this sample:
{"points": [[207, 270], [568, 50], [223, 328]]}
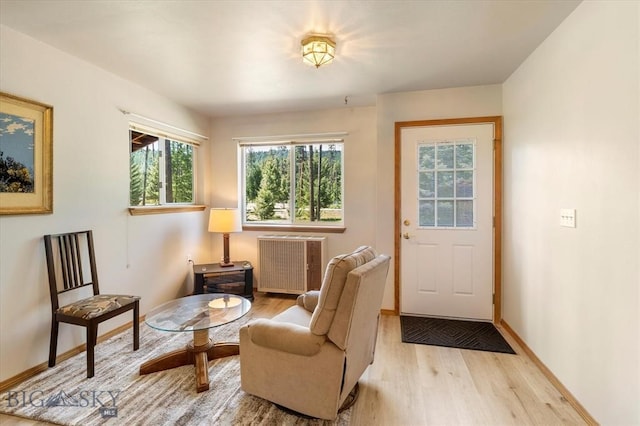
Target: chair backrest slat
{"points": [[71, 257], [78, 259], [65, 262], [92, 263]]}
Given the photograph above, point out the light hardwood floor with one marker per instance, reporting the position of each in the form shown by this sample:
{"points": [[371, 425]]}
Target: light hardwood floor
{"points": [[428, 385]]}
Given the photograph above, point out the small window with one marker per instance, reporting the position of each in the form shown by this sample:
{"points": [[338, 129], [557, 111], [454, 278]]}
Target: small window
{"points": [[161, 170], [446, 184], [293, 183]]}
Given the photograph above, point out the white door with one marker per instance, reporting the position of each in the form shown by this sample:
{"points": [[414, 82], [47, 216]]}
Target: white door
{"points": [[447, 221]]}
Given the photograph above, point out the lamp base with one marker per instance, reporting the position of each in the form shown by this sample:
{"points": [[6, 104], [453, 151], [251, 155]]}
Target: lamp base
{"points": [[225, 262]]}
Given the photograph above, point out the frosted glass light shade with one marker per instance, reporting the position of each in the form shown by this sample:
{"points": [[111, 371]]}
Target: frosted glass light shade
{"points": [[318, 50]]}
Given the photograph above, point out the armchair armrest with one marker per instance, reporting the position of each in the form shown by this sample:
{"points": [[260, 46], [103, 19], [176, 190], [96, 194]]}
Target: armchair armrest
{"points": [[309, 300], [285, 337]]}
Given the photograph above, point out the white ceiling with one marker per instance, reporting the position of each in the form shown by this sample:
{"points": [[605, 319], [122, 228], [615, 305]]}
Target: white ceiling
{"points": [[243, 57]]}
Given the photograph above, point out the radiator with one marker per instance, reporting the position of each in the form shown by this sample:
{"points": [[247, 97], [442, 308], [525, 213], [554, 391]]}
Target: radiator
{"points": [[290, 264]]}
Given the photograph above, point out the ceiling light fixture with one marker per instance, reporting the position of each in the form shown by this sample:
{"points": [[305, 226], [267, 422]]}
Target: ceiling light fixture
{"points": [[318, 50]]}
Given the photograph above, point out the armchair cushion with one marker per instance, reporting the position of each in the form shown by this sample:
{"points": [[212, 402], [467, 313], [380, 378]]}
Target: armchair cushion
{"points": [[309, 300], [361, 295], [285, 337], [333, 284]]}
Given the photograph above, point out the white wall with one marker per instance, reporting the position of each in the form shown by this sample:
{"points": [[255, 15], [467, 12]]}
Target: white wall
{"points": [[359, 180], [143, 255], [369, 160], [571, 114], [478, 101]]}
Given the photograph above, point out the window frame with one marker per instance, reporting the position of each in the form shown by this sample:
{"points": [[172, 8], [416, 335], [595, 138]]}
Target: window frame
{"points": [[243, 144], [163, 206]]}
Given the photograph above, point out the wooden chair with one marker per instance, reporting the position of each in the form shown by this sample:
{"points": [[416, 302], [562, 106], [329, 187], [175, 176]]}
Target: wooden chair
{"points": [[71, 259]]}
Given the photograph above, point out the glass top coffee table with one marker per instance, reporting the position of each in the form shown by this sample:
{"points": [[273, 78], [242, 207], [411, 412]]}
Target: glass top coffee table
{"points": [[197, 314]]}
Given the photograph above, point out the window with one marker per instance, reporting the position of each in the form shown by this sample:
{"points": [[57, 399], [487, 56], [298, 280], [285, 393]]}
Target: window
{"points": [[292, 183], [446, 176], [161, 170]]}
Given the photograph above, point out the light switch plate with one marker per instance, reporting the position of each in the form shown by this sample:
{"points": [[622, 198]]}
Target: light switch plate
{"points": [[568, 218]]}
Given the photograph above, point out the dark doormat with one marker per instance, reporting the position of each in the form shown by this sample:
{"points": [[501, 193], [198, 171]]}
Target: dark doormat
{"points": [[480, 336]]}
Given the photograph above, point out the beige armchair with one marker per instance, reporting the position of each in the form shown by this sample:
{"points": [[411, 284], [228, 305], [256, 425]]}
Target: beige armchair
{"points": [[310, 357]]}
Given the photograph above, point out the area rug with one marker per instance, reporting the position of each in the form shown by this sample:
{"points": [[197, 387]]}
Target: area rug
{"points": [[118, 395], [480, 336]]}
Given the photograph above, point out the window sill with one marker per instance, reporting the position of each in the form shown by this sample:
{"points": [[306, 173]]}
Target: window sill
{"points": [[139, 211], [293, 228]]}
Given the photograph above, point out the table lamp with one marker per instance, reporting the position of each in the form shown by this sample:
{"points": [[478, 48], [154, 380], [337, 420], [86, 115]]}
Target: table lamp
{"points": [[225, 221]]}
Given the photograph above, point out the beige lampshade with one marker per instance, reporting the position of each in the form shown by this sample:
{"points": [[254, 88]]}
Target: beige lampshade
{"points": [[225, 221]]}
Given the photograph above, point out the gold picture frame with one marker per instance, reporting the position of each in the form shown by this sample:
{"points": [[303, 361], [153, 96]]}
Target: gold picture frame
{"points": [[26, 156]]}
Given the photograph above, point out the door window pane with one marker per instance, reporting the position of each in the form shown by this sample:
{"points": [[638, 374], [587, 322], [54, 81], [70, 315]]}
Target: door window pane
{"points": [[445, 156], [445, 213], [464, 184], [427, 213], [426, 157], [427, 185], [464, 213], [464, 156], [446, 182]]}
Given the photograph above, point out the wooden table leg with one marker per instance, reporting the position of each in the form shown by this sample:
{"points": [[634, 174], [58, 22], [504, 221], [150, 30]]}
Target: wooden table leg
{"points": [[202, 372], [221, 350], [167, 361], [201, 344], [199, 352]]}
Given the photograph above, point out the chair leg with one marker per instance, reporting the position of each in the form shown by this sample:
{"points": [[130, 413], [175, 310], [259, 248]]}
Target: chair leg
{"points": [[53, 342], [92, 337], [136, 327]]}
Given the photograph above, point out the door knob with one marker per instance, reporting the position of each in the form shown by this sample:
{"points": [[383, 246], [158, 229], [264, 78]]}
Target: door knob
{"points": [[406, 222], [405, 235]]}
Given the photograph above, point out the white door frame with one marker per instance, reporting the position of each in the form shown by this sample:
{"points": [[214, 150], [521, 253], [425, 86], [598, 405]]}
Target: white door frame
{"points": [[497, 201]]}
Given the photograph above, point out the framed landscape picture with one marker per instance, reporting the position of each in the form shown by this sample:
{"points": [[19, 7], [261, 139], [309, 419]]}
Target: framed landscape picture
{"points": [[26, 149]]}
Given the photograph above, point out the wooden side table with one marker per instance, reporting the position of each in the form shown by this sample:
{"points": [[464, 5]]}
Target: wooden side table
{"points": [[212, 278]]}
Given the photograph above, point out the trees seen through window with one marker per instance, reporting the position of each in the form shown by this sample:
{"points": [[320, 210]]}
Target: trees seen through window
{"points": [[293, 183], [161, 170]]}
